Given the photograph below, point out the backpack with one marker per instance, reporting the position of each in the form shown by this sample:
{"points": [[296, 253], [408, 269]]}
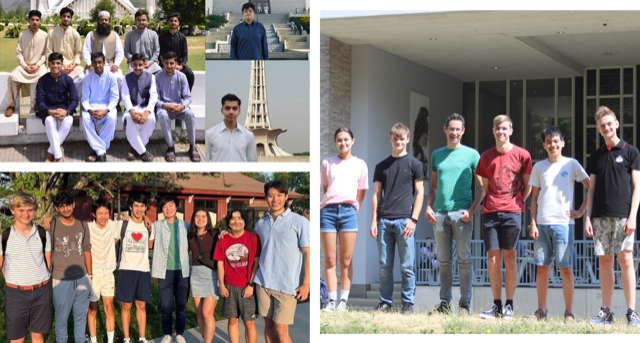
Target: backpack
{"points": [[123, 231], [324, 294], [5, 238]]}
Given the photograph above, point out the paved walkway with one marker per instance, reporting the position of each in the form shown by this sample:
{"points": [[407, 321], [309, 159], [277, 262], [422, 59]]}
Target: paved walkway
{"points": [[299, 331]]}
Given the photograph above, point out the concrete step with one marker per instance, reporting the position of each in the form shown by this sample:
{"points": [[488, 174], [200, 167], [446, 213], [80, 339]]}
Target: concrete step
{"points": [[397, 295], [9, 126], [298, 46], [294, 38], [214, 55], [396, 287], [358, 304]]}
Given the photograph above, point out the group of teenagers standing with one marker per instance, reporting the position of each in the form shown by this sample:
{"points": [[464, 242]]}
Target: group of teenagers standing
{"points": [[157, 87], [256, 273], [504, 178]]}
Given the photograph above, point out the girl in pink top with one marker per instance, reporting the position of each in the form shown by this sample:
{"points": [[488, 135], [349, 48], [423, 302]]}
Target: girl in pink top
{"points": [[344, 181]]}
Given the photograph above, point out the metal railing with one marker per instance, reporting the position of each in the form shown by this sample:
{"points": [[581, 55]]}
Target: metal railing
{"points": [[586, 266]]}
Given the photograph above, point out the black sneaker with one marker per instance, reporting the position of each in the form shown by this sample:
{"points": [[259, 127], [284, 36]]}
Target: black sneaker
{"points": [[382, 307], [633, 318], [442, 308], [492, 313], [464, 311], [605, 316], [407, 308]]}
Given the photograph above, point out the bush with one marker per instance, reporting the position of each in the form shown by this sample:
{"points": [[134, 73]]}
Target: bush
{"points": [[14, 32], [43, 28], [1, 28], [86, 30], [215, 21], [116, 28], [304, 21], [165, 29]]}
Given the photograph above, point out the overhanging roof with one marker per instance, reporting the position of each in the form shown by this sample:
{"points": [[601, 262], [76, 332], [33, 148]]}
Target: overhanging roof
{"points": [[467, 45]]}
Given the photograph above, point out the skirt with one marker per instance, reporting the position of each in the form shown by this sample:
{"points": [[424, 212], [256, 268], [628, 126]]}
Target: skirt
{"points": [[204, 282]]}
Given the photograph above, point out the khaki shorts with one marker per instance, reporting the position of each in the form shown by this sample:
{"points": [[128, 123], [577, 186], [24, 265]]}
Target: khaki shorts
{"points": [[609, 237], [102, 285], [279, 306]]}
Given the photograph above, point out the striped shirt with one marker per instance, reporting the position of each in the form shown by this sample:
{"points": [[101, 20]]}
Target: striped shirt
{"points": [[24, 262], [103, 251]]}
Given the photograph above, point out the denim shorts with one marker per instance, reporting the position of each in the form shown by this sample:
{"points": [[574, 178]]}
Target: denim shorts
{"points": [[554, 240], [338, 217]]}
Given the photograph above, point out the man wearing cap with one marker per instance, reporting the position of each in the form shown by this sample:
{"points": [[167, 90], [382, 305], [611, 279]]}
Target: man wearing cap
{"points": [[67, 41], [102, 39], [30, 53], [143, 41]]}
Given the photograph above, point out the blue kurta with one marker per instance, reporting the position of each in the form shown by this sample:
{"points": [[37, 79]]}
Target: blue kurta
{"points": [[172, 89], [52, 95], [249, 42]]}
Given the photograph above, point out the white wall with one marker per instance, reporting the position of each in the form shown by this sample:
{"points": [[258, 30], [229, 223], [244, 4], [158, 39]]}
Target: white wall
{"points": [[380, 92]]}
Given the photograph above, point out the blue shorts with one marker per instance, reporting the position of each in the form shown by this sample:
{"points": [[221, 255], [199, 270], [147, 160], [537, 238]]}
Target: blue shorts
{"points": [[554, 240], [338, 217], [133, 285]]}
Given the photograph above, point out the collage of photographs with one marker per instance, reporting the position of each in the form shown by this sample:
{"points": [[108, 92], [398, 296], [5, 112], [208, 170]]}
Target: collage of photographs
{"points": [[466, 171]]}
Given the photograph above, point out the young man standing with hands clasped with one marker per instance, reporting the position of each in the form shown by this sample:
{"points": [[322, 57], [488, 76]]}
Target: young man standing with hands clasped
{"points": [[505, 172], [397, 201], [613, 198], [452, 176], [552, 185]]}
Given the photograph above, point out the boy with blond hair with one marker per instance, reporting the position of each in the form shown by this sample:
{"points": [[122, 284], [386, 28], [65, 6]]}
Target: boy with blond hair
{"points": [[397, 201]]}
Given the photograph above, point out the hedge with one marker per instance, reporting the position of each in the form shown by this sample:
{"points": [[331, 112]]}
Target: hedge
{"points": [[86, 30], [43, 28]]}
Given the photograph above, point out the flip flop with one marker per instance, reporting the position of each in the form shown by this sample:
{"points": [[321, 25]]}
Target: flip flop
{"points": [[170, 154], [102, 158], [193, 153], [132, 155], [94, 155], [50, 158], [146, 156]]}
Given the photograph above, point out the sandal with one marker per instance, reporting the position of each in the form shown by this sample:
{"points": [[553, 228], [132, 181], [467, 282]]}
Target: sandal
{"points": [[146, 156], [93, 155], [193, 154], [132, 155], [543, 315], [102, 158], [170, 154], [569, 317], [50, 158]]}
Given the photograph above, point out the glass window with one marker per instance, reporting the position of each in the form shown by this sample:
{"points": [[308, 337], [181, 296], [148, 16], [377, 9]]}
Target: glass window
{"points": [[591, 111], [233, 204], [493, 101], [609, 81], [209, 205], [591, 82], [628, 81], [469, 113], [627, 115], [564, 114], [540, 114], [515, 110]]}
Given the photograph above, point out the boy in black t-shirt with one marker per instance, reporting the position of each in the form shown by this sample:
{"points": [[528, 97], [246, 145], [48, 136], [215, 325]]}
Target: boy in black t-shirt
{"points": [[614, 176], [397, 201]]}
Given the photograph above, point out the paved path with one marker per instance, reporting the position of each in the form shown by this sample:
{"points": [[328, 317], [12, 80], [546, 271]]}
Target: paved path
{"points": [[299, 331]]}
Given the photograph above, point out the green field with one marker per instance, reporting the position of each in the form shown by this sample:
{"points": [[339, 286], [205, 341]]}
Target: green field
{"points": [[8, 59], [366, 322], [154, 321]]}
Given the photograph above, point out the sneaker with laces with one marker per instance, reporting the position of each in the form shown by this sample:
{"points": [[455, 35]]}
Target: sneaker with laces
{"points": [[87, 339], [605, 316], [491, 313], [180, 339], [633, 318], [142, 340], [342, 306], [407, 308], [464, 311], [166, 339], [507, 312], [382, 307], [442, 308], [330, 306]]}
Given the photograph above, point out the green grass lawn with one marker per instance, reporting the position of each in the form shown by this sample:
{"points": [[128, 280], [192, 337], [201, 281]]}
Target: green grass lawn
{"points": [[8, 59], [367, 322], [154, 318]]}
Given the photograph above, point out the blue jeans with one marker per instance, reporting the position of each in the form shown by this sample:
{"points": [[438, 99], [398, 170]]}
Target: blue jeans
{"points": [[554, 240], [173, 287], [450, 227], [390, 233]]}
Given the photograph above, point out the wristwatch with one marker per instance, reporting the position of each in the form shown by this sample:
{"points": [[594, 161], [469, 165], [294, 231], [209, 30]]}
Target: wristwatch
{"points": [[414, 220], [251, 283]]}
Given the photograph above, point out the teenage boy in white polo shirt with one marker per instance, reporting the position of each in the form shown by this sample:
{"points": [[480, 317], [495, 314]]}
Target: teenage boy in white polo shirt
{"points": [[25, 262]]}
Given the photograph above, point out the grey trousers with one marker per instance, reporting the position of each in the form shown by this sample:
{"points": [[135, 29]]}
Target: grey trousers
{"points": [[165, 118], [67, 295]]}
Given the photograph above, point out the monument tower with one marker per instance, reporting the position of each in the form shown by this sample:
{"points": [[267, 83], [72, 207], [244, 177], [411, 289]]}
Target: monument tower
{"points": [[258, 114]]}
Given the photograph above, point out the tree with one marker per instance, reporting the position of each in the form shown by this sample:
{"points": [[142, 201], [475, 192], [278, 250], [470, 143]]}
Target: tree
{"points": [[20, 11], [298, 182], [2, 12], [260, 176], [102, 5], [191, 12]]}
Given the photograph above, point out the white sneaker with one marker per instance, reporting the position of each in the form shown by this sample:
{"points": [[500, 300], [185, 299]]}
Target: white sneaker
{"points": [[330, 306], [342, 306], [507, 312], [180, 339], [166, 339], [142, 340], [491, 313]]}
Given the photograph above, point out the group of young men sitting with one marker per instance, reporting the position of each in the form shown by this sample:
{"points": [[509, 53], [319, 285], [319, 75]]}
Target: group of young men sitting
{"points": [[505, 178], [79, 259], [150, 93]]}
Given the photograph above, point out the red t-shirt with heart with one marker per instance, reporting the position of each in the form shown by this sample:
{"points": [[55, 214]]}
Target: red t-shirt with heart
{"points": [[135, 247], [238, 255]]}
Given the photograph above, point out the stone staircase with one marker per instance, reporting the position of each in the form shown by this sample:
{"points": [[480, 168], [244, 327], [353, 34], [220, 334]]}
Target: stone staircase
{"points": [[366, 297], [283, 44]]}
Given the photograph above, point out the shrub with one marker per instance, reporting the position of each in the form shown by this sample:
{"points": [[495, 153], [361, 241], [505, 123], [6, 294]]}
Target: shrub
{"points": [[86, 30], [1, 28], [165, 29], [116, 28], [304, 21], [43, 28], [215, 21], [14, 32]]}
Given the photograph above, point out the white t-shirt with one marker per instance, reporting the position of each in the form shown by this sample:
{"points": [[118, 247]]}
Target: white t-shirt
{"points": [[556, 182], [135, 247], [103, 252]]}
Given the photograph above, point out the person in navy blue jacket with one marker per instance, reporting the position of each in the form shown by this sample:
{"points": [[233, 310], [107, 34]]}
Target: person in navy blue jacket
{"points": [[249, 38]]}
